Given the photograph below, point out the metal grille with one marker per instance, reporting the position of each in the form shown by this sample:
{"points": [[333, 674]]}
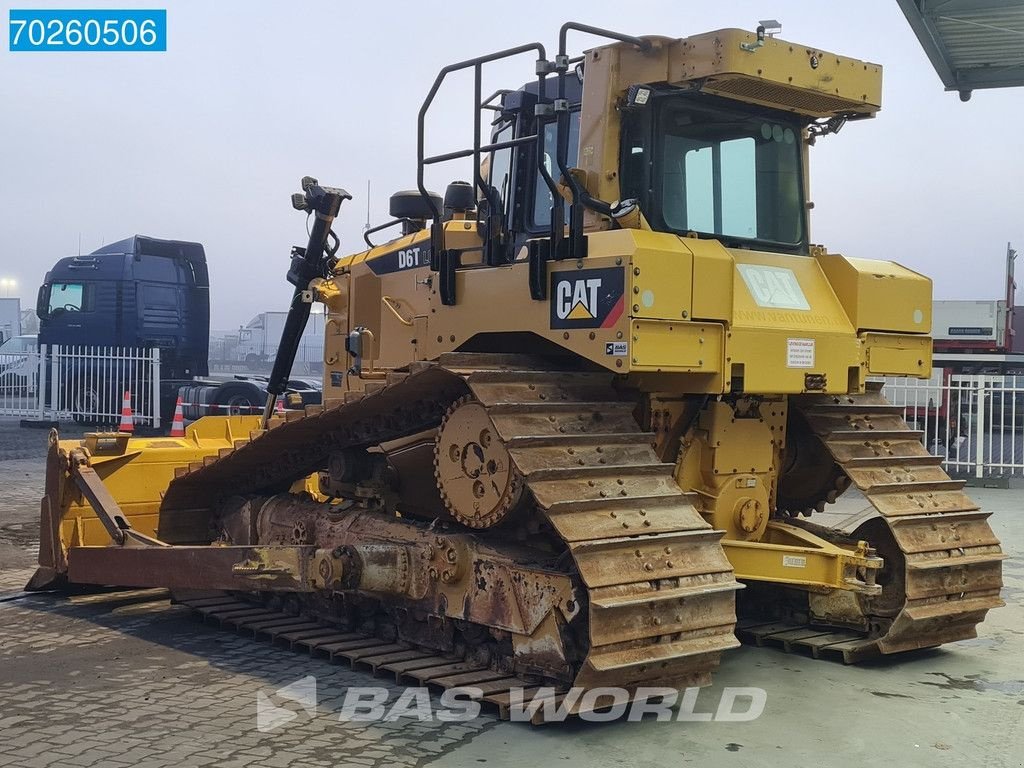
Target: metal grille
{"points": [[820, 104], [975, 422], [82, 383], [19, 383]]}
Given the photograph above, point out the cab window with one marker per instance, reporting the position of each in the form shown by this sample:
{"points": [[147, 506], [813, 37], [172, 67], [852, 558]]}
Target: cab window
{"points": [[69, 297], [501, 166], [726, 173], [542, 199]]}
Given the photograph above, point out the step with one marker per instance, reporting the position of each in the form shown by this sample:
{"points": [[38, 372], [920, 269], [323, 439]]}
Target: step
{"points": [[583, 454], [916, 486], [963, 561], [610, 471], [873, 435], [661, 595], [580, 441], [586, 407], [622, 516], [606, 562], [563, 488], [896, 462]]}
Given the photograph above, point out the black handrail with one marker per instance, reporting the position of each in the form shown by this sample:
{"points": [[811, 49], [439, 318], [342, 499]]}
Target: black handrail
{"points": [[569, 26], [579, 195], [495, 228], [485, 148], [388, 225], [498, 93]]}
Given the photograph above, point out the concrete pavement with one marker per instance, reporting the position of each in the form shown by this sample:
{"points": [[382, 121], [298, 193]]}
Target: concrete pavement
{"points": [[127, 679]]}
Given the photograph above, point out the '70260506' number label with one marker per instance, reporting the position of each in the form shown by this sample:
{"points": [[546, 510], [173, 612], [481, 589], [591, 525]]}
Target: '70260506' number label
{"points": [[87, 30]]}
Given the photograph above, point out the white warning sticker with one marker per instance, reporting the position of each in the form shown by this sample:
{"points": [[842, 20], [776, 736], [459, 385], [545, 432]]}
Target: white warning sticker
{"points": [[792, 561], [799, 353]]}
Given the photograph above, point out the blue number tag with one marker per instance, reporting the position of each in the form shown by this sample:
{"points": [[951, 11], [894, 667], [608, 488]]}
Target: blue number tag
{"points": [[87, 30]]}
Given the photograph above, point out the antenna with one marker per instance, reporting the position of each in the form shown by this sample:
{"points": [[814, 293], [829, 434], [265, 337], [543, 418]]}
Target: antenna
{"points": [[1011, 282], [79, 243], [1011, 290], [366, 226]]}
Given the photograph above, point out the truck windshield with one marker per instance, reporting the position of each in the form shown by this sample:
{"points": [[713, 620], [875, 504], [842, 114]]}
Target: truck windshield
{"points": [[68, 297], [726, 173]]}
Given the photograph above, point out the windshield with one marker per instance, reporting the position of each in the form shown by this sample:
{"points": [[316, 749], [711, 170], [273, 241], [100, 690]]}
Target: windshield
{"points": [[726, 173], [69, 297]]}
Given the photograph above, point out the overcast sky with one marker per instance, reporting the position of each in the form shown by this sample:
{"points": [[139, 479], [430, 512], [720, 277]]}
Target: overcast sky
{"points": [[207, 141]]}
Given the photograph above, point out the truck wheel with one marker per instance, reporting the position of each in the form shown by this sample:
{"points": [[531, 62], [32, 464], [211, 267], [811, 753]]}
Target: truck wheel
{"points": [[238, 399]]}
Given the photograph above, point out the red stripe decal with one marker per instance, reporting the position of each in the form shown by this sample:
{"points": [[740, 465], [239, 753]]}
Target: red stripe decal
{"points": [[615, 314]]}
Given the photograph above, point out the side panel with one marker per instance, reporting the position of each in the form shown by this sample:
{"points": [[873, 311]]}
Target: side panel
{"points": [[789, 331], [655, 304], [880, 295]]}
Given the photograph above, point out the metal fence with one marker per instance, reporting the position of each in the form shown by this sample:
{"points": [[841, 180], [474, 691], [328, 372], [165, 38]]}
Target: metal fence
{"points": [[974, 421], [82, 383], [20, 375]]}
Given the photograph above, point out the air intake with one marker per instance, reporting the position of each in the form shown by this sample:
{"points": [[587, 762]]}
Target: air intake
{"points": [[813, 103]]}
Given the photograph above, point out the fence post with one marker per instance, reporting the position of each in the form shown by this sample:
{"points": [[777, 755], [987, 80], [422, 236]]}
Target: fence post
{"points": [[979, 443], [41, 383], [155, 375], [55, 351]]}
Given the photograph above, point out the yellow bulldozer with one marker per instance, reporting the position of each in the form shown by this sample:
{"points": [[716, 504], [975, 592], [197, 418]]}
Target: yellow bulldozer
{"points": [[580, 412]]}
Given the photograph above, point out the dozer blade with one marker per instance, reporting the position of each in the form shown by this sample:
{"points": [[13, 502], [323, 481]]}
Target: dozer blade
{"points": [[106, 489]]}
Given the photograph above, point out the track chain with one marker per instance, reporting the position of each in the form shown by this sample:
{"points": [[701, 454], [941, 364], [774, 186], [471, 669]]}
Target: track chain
{"points": [[660, 590], [405, 662], [943, 562]]}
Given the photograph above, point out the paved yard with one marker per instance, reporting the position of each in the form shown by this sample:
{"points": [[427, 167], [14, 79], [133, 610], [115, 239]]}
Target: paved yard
{"points": [[125, 679]]}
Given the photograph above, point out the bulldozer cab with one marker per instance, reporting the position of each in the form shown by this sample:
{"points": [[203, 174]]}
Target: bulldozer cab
{"points": [[703, 136], [694, 164]]}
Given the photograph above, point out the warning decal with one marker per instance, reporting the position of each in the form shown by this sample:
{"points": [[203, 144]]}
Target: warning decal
{"points": [[799, 353]]}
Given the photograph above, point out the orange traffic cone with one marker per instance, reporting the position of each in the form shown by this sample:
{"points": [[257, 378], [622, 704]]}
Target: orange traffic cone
{"points": [[178, 423], [127, 424]]}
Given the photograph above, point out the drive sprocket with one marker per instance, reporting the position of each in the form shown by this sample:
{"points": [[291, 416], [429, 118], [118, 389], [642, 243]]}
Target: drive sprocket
{"points": [[477, 478], [811, 477]]}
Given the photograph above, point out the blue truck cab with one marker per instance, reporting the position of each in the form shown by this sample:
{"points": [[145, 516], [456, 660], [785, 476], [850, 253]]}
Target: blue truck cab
{"points": [[145, 293], [137, 292]]}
